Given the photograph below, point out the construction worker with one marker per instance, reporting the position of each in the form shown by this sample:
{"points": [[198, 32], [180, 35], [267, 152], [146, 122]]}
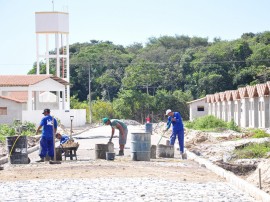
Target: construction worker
{"points": [[175, 119], [63, 138], [123, 131], [49, 127]]}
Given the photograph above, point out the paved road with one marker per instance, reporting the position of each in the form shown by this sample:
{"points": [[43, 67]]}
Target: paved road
{"points": [[145, 188]]}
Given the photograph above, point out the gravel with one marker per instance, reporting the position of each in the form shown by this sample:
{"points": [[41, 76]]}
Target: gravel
{"points": [[120, 189]]}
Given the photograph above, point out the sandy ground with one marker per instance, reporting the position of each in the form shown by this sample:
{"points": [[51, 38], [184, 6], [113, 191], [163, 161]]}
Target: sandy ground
{"points": [[123, 167], [88, 167]]}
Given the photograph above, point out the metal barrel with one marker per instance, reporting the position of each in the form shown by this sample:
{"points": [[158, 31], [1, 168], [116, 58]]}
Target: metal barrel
{"points": [[100, 151], [17, 149], [140, 146], [148, 128]]}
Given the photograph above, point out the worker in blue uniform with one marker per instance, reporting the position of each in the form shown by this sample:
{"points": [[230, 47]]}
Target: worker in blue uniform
{"points": [[62, 138], [49, 127], [175, 119]]}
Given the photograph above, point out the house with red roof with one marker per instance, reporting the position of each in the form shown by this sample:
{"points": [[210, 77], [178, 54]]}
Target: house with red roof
{"points": [[22, 98]]}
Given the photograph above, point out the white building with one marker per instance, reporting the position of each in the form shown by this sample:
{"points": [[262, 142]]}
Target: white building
{"points": [[197, 108], [22, 98], [247, 106]]}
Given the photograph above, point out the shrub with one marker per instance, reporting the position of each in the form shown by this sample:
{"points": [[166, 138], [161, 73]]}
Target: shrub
{"points": [[101, 109], [253, 151], [208, 122], [6, 130], [188, 124], [259, 133], [26, 129], [232, 126]]}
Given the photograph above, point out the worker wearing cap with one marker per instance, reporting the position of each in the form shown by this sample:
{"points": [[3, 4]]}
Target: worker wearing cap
{"points": [[175, 119], [62, 138], [123, 131], [49, 127]]}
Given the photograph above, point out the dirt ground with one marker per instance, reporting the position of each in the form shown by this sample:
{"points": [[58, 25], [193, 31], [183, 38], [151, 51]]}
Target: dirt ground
{"points": [[215, 147], [219, 147], [158, 168]]}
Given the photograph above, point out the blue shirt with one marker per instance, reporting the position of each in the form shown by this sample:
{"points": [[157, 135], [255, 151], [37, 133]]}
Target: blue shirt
{"points": [[64, 139], [177, 124], [48, 125]]}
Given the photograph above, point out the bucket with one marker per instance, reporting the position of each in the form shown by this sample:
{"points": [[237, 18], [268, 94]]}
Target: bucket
{"points": [[110, 147], [140, 146], [100, 151], [153, 152], [58, 154], [110, 156], [165, 151], [17, 149], [148, 128]]}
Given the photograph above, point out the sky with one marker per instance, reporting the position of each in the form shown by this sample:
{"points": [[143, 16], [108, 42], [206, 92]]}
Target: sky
{"points": [[125, 22]]}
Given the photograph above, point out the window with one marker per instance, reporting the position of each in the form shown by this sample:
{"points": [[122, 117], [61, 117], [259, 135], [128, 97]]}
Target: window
{"points": [[200, 108], [3, 110]]}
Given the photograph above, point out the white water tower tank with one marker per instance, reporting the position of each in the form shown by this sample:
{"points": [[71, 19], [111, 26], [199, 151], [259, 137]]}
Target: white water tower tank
{"points": [[53, 28], [52, 22]]}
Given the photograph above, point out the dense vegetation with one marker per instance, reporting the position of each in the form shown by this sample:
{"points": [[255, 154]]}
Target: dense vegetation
{"points": [[17, 128], [167, 72], [211, 123]]}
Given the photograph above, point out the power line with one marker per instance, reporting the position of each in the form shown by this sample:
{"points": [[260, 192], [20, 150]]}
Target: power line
{"points": [[175, 63], [157, 63]]}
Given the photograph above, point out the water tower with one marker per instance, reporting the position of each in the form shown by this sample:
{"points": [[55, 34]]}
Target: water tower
{"points": [[52, 46]]}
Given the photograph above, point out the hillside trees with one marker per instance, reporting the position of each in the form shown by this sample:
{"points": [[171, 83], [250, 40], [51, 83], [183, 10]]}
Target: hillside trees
{"points": [[166, 72]]}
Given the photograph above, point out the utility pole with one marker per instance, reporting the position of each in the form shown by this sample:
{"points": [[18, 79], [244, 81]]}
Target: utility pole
{"points": [[52, 5], [90, 109]]}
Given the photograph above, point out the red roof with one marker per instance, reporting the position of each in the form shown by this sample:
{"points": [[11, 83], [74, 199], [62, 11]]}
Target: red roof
{"points": [[26, 80], [235, 94], [243, 92], [252, 91], [217, 97], [228, 95], [222, 96], [12, 99], [262, 89], [23, 95]]}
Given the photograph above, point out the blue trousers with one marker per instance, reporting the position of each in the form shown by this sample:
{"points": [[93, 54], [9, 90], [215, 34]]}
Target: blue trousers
{"points": [[180, 135], [46, 147]]}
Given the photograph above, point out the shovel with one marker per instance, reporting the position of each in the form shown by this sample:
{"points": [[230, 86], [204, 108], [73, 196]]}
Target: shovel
{"points": [[161, 137], [54, 158]]}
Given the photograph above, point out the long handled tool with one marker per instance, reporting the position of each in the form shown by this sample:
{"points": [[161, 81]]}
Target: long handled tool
{"points": [[161, 137], [168, 124], [54, 157]]}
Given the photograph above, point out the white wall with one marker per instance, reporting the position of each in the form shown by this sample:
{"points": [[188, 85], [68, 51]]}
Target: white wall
{"points": [[253, 112], [194, 113], [244, 112], [13, 111], [263, 112], [237, 112], [63, 116], [230, 110]]}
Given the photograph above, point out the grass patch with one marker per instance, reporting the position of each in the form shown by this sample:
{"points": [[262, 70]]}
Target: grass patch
{"points": [[209, 123], [254, 150], [25, 129], [257, 133], [232, 126]]}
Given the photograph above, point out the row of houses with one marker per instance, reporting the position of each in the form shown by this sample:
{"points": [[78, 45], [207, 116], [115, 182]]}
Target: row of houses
{"points": [[247, 106]]}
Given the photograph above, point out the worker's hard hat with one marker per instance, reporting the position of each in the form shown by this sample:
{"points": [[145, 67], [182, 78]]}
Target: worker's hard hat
{"points": [[104, 120], [168, 111]]}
